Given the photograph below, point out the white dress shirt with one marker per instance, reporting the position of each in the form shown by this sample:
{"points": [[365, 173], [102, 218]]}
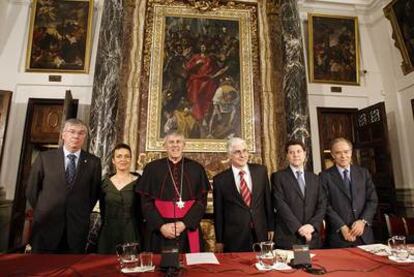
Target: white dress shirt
{"points": [[342, 169], [247, 177], [66, 153], [296, 169]]}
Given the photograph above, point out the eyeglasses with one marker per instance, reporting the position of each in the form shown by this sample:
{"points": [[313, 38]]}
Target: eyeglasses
{"points": [[239, 152], [74, 132]]}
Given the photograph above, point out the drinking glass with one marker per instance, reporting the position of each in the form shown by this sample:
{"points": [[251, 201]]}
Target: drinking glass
{"points": [[145, 259], [398, 248], [128, 257], [264, 253]]}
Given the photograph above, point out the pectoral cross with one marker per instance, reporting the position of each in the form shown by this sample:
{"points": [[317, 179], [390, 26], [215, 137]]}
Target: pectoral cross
{"points": [[180, 203]]}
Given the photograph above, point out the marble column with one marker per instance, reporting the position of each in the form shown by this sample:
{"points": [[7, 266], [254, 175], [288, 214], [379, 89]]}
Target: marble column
{"points": [[294, 80], [106, 87]]}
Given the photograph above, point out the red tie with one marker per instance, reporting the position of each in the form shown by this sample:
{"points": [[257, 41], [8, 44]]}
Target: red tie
{"points": [[244, 190]]}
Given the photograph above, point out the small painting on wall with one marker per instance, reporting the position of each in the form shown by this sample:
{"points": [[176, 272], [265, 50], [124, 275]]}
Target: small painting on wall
{"points": [[333, 49], [60, 36]]}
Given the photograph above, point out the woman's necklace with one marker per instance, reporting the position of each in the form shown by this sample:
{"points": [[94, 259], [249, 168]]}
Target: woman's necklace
{"points": [[180, 203]]}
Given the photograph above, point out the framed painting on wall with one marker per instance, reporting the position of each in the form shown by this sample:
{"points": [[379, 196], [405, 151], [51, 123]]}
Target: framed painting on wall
{"points": [[333, 49], [201, 76], [60, 36], [5, 101], [401, 15]]}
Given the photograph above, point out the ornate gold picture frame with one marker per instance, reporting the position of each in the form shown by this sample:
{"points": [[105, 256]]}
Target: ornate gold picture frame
{"points": [[5, 102], [201, 66], [333, 49], [60, 36], [401, 15]]}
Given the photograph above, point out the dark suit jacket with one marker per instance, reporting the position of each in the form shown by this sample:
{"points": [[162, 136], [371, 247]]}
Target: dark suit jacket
{"points": [[293, 210], [232, 217], [344, 209], [57, 208]]}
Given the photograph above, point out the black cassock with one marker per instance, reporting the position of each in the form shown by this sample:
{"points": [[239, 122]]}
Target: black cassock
{"points": [[157, 185]]}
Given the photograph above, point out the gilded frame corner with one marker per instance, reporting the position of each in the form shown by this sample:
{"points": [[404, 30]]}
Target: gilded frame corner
{"points": [[398, 15], [5, 103]]}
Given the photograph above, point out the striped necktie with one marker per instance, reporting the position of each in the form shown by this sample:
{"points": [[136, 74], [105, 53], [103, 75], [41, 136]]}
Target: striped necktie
{"points": [[244, 190]]}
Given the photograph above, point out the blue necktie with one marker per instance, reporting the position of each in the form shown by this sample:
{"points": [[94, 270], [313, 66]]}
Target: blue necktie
{"points": [[347, 181], [70, 173], [301, 182]]}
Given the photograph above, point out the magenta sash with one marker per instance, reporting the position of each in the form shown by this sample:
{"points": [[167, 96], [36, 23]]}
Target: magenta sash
{"points": [[167, 210]]}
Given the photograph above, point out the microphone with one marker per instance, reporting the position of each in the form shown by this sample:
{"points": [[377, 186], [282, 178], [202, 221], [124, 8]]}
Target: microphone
{"points": [[170, 263]]}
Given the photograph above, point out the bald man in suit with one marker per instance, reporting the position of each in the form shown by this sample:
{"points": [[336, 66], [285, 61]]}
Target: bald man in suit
{"points": [[352, 200], [62, 189], [242, 206]]}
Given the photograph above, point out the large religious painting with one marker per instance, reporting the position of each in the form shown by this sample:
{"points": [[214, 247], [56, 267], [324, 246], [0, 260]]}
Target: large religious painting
{"points": [[60, 36], [333, 49], [401, 15], [201, 77]]}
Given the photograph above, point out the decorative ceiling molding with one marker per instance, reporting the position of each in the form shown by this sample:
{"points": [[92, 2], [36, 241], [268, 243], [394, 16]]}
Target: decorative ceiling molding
{"points": [[359, 5], [368, 8]]}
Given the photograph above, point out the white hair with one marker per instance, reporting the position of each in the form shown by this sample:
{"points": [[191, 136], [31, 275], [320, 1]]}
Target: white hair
{"points": [[234, 141]]}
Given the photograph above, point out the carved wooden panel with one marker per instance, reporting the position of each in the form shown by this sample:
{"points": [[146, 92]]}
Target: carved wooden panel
{"points": [[372, 150], [333, 123], [46, 123]]}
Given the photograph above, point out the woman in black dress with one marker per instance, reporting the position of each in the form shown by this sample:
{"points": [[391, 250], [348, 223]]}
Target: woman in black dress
{"points": [[118, 204]]}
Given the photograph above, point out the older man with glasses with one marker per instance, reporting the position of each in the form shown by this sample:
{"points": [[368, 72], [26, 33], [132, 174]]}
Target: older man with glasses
{"points": [[242, 203], [63, 188]]}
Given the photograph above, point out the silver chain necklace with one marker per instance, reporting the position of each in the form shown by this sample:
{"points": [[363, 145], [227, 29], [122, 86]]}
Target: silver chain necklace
{"points": [[180, 203]]}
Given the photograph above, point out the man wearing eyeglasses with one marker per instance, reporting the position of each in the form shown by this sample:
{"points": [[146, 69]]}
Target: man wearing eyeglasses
{"points": [[242, 203], [63, 188]]}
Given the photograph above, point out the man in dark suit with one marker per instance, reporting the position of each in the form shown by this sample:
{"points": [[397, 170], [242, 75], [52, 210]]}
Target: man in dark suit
{"points": [[352, 200], [62, 189], [299, 201], [242, 203]]}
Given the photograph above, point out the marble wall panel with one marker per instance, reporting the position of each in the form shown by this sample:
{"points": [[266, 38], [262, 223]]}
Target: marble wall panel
{"points": [[294, 77], [105, 95]]}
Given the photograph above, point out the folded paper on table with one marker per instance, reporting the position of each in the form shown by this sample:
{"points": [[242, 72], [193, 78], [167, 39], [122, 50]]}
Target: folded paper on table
{"points": [[138, 269], [201, 258], [410, 259], [378, 249], [287, 253]]}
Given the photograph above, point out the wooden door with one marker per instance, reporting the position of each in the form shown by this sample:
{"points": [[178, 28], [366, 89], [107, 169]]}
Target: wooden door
{"points": [[372, 150], [333, 123]]}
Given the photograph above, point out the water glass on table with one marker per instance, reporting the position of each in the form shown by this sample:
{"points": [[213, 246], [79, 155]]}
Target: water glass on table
{"points": [[128, 257], [398, 248], [265, 253], [145, 259]]}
